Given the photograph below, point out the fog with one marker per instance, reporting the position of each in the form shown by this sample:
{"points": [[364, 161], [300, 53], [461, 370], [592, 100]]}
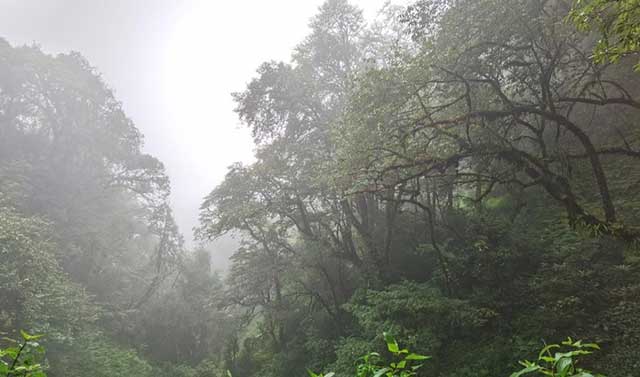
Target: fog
{"points": [[325, 188], [174, 64]]}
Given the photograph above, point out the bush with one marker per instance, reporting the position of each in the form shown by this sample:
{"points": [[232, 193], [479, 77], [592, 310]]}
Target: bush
{"points": [[22, 358]]}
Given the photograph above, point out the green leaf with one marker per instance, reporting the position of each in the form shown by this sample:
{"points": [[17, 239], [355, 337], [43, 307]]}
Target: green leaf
{"points": [[591, 345], [546, 350], [11, 352], [563, 366], [529, 369], [27, 337], [415, 356], [392, 345], [380, 372]]}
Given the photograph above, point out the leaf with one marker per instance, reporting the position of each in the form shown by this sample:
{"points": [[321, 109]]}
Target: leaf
{"points": [[570, 354], [529, 369], [27, 337], [380, 372], [415, 356], [564, 366], [11, 352], [392, 345], [546, 349], [591, 345]]}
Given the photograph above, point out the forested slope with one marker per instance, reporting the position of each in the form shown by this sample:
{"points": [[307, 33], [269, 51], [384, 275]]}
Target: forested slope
{"points": [[90, 253], [461, 174]]}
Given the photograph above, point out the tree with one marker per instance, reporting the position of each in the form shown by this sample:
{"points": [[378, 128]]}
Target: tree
{"points": [[617, 23], [82, 209], [69, 154], [290, 216], [511, 106], [35, 292]]}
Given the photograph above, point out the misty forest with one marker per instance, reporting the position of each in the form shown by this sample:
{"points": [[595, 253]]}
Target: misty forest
{"points": [[451, 189]]}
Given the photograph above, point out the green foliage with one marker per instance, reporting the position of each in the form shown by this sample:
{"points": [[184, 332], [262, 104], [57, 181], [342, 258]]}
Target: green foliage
{"points": [[467, 185], [405, 363], [617, 23], [96, 355], [459, 183], [555, 360], [206, 368], [552, 362], [22, 358], [418, 313], [34, 291], [330, 374], [86, 233]]}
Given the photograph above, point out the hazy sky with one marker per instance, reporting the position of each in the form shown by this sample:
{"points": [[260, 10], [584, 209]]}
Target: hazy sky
{"points": [[173, 64]]}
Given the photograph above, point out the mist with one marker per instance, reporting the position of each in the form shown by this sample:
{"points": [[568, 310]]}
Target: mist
{"points": [[325, 188], [173, 65]]}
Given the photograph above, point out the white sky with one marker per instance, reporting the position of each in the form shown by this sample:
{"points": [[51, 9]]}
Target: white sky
{"points": [[173, 64]]}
